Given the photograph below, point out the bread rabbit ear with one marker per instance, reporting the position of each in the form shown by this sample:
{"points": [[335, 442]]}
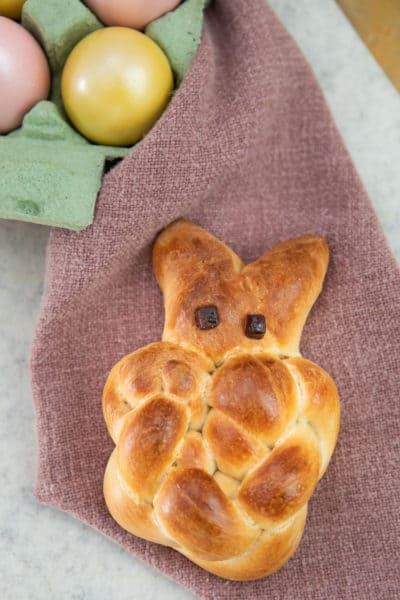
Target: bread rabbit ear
{"points": [[286, 282], [185, 252]]}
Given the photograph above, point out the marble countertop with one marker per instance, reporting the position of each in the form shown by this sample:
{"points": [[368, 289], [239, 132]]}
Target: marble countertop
{"points": [[47, 554]]}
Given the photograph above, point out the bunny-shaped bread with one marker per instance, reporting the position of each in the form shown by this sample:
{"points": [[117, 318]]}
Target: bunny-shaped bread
{"points": [[222, 430]]}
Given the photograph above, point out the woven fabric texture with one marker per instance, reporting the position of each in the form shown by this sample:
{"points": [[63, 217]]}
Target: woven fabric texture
{"points": [[248, 150]]}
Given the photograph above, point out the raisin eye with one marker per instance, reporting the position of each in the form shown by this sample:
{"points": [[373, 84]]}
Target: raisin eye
{"points": [[255, 326], [207, 317]]}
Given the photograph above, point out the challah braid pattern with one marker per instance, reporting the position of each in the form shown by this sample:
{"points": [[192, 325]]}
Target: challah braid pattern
{"points": [[218, 452]]}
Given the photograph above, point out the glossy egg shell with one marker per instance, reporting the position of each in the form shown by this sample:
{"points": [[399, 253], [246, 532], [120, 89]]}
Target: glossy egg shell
{"points": [[11, 8], [24, 74], [131, 13], [115, 84]]}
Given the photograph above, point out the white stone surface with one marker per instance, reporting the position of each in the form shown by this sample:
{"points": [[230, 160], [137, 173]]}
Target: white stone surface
{"points": [[45, 554]]}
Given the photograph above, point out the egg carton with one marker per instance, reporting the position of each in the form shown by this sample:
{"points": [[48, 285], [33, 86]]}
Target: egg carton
{"points": [[49, 173]]}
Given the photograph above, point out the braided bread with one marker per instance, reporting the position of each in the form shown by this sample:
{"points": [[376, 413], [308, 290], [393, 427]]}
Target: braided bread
{"points": [[222, 430]]}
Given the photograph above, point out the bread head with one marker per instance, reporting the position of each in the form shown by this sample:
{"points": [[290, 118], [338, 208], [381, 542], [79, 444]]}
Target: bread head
{"points": [[194, 269]]}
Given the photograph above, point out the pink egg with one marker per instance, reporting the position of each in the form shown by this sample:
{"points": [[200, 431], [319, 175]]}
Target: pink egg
{"points": [[130, 13], [24, 74]]}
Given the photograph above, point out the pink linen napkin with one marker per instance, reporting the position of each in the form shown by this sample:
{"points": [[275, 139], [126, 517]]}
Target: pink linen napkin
{"points": [[247, 149]]}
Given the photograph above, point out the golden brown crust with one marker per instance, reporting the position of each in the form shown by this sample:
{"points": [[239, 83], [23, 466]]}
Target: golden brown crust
{"points": [[194, 269], [286, 281], [197, 514], [148, 441], [130, 513], [156, 368], [284, 482], [222, 438], [321, 408], [271, 550], [235, 451], [194, 454], [258, 393]]}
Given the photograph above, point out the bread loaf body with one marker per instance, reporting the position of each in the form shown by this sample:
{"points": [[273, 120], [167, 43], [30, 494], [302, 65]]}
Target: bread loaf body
{"points": [[222, 430]]}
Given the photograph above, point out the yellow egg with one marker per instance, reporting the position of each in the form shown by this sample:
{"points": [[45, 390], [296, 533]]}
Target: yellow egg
{"points": [[11, 8], [115, 84]]}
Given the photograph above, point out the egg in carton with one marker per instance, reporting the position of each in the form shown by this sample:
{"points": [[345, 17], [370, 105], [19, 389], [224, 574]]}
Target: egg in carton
{"points": [[51, 174]]}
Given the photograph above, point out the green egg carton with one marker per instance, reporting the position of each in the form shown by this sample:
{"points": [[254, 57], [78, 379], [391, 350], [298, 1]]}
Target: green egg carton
{"points": [[49, 173]]}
